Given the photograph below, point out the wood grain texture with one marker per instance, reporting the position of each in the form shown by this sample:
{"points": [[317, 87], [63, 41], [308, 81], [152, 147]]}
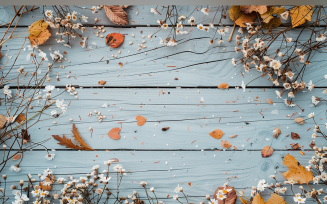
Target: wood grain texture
{"points": [[202, 169], [193, 62], [233, 111]]}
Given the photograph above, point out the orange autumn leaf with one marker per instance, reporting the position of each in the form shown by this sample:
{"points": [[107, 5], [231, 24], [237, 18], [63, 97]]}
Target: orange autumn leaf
{"points": [[37, 27], [140, 120], [79, 139], [296, 172], [114, 133], [114, 40], [217, 134], [20, 118], [267, 151], [102, 82], [258, 200], [275, 199], [246, 18], [225, 144], [40, 39], [301, 14], [244, 201], [223, 86], [16, 157]]}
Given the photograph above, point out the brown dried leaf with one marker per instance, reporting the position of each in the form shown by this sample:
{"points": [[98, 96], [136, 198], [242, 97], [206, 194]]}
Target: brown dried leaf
{"points": [[123, 6], [225, 144], [299, 121], [275, 199], [276, 132], [257, 8], [313, 144], [79, 139], [20, 118], [25, 135], [16, 157], [37, 27], [267, 151], [40, 39], [267, 16], [244, 201], [165, 128], [301, 14], [296, 172], [223, 86], [235, 12], [269, 101], [275, 22], [230, 196], [102, 82], [114, 40], [217, 134], [296, 146], [66, 142], [116, 14], [245, 18], [295, 136]]}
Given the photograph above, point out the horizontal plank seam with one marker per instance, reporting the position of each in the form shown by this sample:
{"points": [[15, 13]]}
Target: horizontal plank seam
{"points": [[168, 150], [155, 87]]}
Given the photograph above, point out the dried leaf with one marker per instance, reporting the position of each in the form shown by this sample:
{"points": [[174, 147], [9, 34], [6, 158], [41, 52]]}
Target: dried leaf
{"points": [[267, 151], [267, 16], [123, 6], [299, 121], [165, 128], [225, 144], [66, 142], [16, 157], [269, 101], [276, 132], [40, 39], [275, 22], [114, 133], [295, 146], [301, 14], [45, 186], [114, 40], [140, 120], [217, 134], [120, 64], [25, 135], [244, 201], [275, 199], [79, 139], [257, 8], [37, 27], [245, 18], [102, 82], [230, 196], [258, 200], [223, 86], [3, 120], [116, 14], [232, 136], [235, 12], [295, 136], [296, 172], [313, 144], [20, 118]]}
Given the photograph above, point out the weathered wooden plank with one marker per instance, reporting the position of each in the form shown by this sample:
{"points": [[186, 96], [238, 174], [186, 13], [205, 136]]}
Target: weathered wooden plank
{"points": [[143, 18], [192, 63], [204, 170], [233, 111]]}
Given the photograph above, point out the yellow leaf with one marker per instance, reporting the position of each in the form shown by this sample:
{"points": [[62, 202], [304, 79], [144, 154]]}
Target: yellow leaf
{"points": [[235, 12], [258, 200], [40, 39], [296, 172], [37, 27], [274, 22], [267, 16], [257, 8], [244, 201], [245, 18], [275, 199], [301, 14]]}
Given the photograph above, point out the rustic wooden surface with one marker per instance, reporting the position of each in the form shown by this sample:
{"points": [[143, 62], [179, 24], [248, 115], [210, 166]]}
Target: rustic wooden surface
{"points": [[137, 89]]}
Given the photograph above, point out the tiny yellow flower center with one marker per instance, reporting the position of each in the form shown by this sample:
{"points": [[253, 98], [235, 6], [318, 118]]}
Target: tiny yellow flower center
{"points": [[225, 191]]}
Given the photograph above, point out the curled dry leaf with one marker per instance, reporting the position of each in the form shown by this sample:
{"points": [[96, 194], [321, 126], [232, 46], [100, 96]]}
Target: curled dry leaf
{"points": [[299, 121], [232, 136], [40, 39], [301, 14], [296, 146], [244, 201], [116, 14], [250, 8], [230, 196], [102, 82], [225, 144], [20, 118], [165, 128], [123, 6], [39, 33], [295, 136], [267, 151], [223, 86], [267, 16], [140, 120], [16, 157], [312, 144], [296, 172], [276, 132], [79, 139], [114, 133], [217, 134], [114, 40], [239, 17], [269, 101]]}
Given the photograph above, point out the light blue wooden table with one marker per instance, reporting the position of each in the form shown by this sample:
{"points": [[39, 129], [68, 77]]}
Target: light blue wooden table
{"points": [[185, 153]]}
